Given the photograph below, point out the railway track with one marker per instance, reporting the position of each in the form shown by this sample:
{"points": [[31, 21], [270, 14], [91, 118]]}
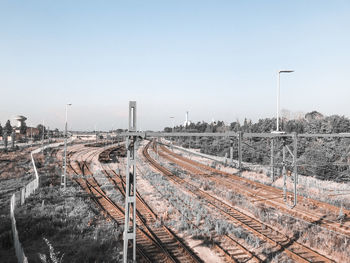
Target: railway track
{"points": [[271, 196], [164, 235], [153, 244], [113, 211], [234, 253], [279, 241]]}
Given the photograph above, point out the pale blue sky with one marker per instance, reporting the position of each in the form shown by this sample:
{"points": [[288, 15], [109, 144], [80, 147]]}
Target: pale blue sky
{"points": [[217, 59]]}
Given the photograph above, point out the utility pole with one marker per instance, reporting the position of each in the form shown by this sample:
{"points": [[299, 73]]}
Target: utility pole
{"points": [[31, 135], [272, 160], [64, 181], [42, 137], [231, 150], [130, 195], [284, 172], [240, 138], [172, 130]]}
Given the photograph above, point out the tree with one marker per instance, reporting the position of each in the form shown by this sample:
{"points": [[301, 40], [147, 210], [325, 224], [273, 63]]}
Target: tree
{"points": [[8, 127], [23, 129], [235, 126]]}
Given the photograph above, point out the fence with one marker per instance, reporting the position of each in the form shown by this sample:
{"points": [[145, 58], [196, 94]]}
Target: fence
{"points": [[25, 192], [18, 247]]}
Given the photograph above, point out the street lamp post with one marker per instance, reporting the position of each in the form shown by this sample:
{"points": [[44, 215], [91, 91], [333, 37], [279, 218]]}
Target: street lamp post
{"points": [[65, 150], [43, 137], [278, 95]]}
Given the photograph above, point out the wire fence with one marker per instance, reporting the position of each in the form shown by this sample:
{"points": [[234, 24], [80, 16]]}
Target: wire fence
{"points": [[21, 257], [25, 192]]}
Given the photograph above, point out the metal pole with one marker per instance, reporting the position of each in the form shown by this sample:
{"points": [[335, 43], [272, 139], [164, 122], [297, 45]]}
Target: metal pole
{"points": [[284, 172], [65, 150], [295, 168], [231, 150], [130, 195], [272, 160], [278, 101], [42, 137], [240, 137]]}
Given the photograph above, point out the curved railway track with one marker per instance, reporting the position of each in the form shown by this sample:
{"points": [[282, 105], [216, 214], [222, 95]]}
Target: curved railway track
{"points": [[279, 241], [271, 196], [153, 244], [163, 234], [234, 253]]}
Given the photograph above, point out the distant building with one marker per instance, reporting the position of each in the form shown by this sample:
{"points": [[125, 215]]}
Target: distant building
{"points": [[32, 132], [20, 121]]}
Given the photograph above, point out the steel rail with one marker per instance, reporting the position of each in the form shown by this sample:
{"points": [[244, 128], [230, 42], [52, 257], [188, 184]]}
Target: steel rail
{"points": [[149, 250], [248, 188], [144, 210], [295, 250]]}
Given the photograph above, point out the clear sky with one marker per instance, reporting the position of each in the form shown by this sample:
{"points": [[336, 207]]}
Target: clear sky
{"points": [[217, 59]]}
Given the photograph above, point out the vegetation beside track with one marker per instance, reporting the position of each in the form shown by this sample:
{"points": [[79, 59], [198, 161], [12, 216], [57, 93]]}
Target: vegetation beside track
{"points": [[325, 159], [72, 224], [62, 224]]}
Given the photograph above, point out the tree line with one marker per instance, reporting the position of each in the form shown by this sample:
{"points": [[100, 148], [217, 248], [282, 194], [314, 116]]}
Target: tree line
{"points": [[323, 158], [8, 129]]}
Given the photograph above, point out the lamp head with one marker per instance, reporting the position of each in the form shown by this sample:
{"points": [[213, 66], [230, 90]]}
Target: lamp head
{"points": [[285, 71]]}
